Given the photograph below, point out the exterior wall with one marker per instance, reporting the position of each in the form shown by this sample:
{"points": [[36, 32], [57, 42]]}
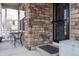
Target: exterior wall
{"points": [[38, 24], [74, 13]]}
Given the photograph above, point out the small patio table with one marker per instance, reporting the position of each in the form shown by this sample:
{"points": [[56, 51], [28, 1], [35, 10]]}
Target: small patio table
{"points": [[15, 34]]}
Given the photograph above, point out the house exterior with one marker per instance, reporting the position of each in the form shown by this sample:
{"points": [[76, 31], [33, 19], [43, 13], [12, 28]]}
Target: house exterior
{"points": [[45, 23]]}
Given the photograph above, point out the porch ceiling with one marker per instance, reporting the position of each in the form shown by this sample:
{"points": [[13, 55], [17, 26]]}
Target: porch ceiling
{"points": [[9, 5]]}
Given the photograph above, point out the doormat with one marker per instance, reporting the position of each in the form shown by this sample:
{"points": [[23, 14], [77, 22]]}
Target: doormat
{"points": [[50, 49]]}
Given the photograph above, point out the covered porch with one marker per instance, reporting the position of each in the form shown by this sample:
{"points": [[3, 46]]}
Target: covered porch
{"points": [[43, 26]]}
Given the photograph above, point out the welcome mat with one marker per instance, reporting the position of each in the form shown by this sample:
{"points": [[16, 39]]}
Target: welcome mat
{"points": [[50, 49]]}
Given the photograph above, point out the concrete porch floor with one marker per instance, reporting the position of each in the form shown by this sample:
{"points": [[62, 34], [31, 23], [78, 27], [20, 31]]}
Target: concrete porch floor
{"points": [[7, 49]]}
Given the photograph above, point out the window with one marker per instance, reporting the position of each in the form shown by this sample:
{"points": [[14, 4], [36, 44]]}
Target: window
{"points": [[21, 19], [22, 24]]}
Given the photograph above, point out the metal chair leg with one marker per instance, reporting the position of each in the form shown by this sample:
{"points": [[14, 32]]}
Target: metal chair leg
{"points": [[21, 42], [14, 42]]}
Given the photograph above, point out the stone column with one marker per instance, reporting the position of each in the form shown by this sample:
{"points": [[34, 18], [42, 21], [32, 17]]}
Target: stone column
{"points": [[5, 23], [38, 26], [0, 20]]}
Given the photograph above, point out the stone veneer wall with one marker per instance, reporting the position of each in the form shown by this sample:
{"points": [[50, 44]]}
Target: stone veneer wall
{"points": [[38, 24], [74, 20]]}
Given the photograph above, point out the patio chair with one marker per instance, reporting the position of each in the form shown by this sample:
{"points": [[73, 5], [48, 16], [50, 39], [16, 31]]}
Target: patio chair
{"points": [[18, 36]]}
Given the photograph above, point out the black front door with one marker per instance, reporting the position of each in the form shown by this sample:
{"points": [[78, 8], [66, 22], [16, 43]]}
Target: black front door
{"points": [[58, 23]]}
